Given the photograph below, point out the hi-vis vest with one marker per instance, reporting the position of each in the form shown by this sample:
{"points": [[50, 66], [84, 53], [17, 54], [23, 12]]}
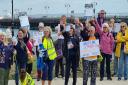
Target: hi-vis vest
{"points": [[49, 46], [28, 80]]}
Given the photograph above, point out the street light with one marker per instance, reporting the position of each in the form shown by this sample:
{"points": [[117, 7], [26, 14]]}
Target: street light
{"points": [[12, 18], [94, 8], [67, 6], [29, 10], [46, 9]]}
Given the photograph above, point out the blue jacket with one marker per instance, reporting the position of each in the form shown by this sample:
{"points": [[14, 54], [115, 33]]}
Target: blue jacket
{"points": [[21, 56], [6, 56]]}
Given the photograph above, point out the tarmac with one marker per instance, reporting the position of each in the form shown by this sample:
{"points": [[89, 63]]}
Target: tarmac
{"points": [[60, 81]]}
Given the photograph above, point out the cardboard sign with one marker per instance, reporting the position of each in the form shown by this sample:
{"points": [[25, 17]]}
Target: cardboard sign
{"points": [[89, 48]]}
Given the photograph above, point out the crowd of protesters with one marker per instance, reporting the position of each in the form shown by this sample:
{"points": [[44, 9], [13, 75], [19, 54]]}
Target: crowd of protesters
{"points": [[64, 53]]}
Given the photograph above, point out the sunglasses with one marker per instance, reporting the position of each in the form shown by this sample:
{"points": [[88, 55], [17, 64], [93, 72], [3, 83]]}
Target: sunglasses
{"points": [[104, 27], [122, 26]]}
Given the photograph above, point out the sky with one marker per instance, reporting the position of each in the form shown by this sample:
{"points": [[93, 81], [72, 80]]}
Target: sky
{"points": [[58, 6]]}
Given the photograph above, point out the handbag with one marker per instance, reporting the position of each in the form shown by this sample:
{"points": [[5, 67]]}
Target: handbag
{"points": [[99, 58], [30, 56], [59, 51], [125, 49]]}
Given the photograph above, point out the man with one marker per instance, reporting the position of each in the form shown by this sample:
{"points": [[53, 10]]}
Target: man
{"points": [[25, 78]]}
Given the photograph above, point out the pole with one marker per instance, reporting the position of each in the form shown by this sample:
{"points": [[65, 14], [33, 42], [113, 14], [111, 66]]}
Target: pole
{"points": [[12, 18]]}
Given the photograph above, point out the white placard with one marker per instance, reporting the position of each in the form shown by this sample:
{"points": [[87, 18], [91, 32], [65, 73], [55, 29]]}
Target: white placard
{"points": [[24, 22], [38, 37], [89, 48]]}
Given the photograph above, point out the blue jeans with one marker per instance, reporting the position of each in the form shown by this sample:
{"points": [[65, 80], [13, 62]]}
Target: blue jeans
{"points": [[48, 70], [123, 64], [115, 65]]}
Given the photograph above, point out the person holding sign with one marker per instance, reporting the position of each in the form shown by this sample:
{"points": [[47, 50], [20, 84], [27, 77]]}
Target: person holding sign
{"points": [[90, 62], [72, 44], [106, 44]]}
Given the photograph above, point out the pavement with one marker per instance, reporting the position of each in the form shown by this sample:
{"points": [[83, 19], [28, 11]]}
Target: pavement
{"points": [[79, 82]]}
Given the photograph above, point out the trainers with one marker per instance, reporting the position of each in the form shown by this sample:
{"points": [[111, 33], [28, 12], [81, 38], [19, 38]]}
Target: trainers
{"points": [[56, 78], [119, 79], [63, 78]]}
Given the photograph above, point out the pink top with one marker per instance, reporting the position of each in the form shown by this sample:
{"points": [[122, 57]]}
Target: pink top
{"points": [[106, 40]]}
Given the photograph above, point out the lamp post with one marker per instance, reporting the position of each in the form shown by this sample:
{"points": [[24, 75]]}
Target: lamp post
{"points": [[67, 6], [12, 18], [94, 8], [46, 9]]}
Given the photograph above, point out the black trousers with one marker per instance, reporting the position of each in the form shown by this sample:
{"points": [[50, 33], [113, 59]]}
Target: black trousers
{"points": [[71, 62], [29, 68], [107, 59], [59, 65]]}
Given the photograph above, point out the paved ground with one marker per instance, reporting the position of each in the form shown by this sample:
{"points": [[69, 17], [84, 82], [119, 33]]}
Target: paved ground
{"points": [[79, 82]]}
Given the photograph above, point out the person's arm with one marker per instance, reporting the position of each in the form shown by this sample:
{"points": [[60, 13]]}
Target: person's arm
{"points": [[112, 42], [98, 28]]}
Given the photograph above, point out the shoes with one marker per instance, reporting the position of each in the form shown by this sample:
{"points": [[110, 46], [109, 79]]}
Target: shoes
{"points": [[101, 79], [38, 79], [63, 78], [125, 79], [56, 78], [109, 78], [119, 79]]}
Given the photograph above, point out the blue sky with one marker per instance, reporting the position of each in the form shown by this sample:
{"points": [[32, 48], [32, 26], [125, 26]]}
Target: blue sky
{"points": [[58, 6]]}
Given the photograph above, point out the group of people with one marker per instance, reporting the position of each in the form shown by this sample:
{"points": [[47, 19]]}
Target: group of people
{"points": [[64, 53]]}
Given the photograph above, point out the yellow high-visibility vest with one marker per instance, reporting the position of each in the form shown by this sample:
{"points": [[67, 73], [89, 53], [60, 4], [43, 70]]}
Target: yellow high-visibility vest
{"points": [[28, 80], [49, 46]]}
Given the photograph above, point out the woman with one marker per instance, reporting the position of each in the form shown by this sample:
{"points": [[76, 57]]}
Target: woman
{"points": [[21, 56], [71, 42], [91, 61], [49, 64], [122, 41], [59, 48], [106, 44], [6, 56]]}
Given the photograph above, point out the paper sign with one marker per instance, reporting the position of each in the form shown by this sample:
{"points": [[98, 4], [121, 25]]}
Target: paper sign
{"points": [[38, 37], [24, 22], [68, 28], [89, 48]]}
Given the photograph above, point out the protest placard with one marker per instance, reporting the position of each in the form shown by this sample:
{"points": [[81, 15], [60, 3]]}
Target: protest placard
{"points": [[38, 37], [24, 22], [89, 48]]}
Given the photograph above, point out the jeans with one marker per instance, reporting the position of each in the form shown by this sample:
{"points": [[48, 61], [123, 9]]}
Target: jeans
{"points": [[106, 57], [48, 70], [4, 76], [123, 64], [89, 67], [59, 63], [115, 65]]}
